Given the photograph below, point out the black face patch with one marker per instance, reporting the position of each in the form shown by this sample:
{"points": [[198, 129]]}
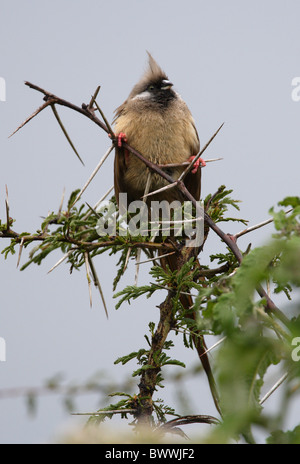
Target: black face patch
{"points": [[160, 93]]}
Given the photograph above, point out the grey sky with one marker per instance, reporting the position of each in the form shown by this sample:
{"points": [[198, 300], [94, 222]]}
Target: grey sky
{"points": [[232, 61]]}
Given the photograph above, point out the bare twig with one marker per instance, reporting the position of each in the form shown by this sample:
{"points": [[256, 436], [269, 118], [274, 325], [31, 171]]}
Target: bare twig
{"points": [[7, 209], [94, 208], [190, 167], [93, 98], [168, 289], [110, 131], [155, 259], [186, 163], [61, 203], [274, 388], [127, 259], [93, 174], [257, 226], [138, 255], [20, 251], [51, 98], [97, 283], [108, 411], [191, 419], [41, 108], [87, 267], [61, 260], [163, 189], [65, 132], [214, 345]]}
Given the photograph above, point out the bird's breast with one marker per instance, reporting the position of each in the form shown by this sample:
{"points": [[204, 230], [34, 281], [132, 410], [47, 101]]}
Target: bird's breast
{"points": [[163, 137]]}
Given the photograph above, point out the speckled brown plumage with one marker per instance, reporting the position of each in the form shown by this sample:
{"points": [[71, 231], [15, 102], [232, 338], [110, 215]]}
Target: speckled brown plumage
{"points": [[160, 126]]}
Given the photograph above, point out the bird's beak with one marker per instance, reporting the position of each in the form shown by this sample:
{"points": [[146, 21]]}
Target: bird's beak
{"points": [[166, 84]]}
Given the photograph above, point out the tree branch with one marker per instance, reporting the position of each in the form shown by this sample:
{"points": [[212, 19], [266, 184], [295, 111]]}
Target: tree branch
{"points": [[166, 323]]}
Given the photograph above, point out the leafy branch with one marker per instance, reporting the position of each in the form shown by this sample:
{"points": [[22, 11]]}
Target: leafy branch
{"points": [[223, 300]]}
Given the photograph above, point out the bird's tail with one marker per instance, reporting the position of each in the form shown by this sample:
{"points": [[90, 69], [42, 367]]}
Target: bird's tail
{"points": [[198, 338]]}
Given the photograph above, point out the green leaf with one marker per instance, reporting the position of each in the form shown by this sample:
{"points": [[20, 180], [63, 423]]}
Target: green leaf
{"points": [[135, 354], [131, 292], [174, 362], [290, 201], [72, 198], [242, 364], [291, 437]]}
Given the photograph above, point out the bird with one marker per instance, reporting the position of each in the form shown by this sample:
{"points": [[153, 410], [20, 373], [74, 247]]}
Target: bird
{"points": [[155, 121]]}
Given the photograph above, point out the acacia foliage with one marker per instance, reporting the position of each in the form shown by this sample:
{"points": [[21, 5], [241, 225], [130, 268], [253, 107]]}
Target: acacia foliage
{"points": [[226, 303]]}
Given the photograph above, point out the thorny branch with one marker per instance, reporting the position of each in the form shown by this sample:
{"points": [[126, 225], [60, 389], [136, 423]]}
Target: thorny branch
{"points": [[88, 112], [166, 323]]}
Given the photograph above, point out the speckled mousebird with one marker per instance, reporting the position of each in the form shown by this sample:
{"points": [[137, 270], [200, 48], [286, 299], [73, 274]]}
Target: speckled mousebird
{"points": [[157, 122]]}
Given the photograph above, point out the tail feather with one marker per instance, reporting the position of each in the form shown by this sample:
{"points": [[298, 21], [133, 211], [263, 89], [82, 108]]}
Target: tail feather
{"points": [[198, 339]]}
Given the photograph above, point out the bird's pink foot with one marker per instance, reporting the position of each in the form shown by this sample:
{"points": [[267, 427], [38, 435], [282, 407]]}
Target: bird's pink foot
{"points": [[197, 164], [121, 137]]}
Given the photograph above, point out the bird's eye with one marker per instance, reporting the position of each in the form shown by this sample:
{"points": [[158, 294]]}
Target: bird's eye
{"points": [[151, 87]]}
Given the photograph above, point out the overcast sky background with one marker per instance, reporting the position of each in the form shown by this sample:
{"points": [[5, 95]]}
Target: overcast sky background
{"points": [[232, 61]]}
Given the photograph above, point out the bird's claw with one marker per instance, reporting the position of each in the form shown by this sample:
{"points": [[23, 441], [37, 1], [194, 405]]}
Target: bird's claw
{"points": [[197, 164], [121, 137]]}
